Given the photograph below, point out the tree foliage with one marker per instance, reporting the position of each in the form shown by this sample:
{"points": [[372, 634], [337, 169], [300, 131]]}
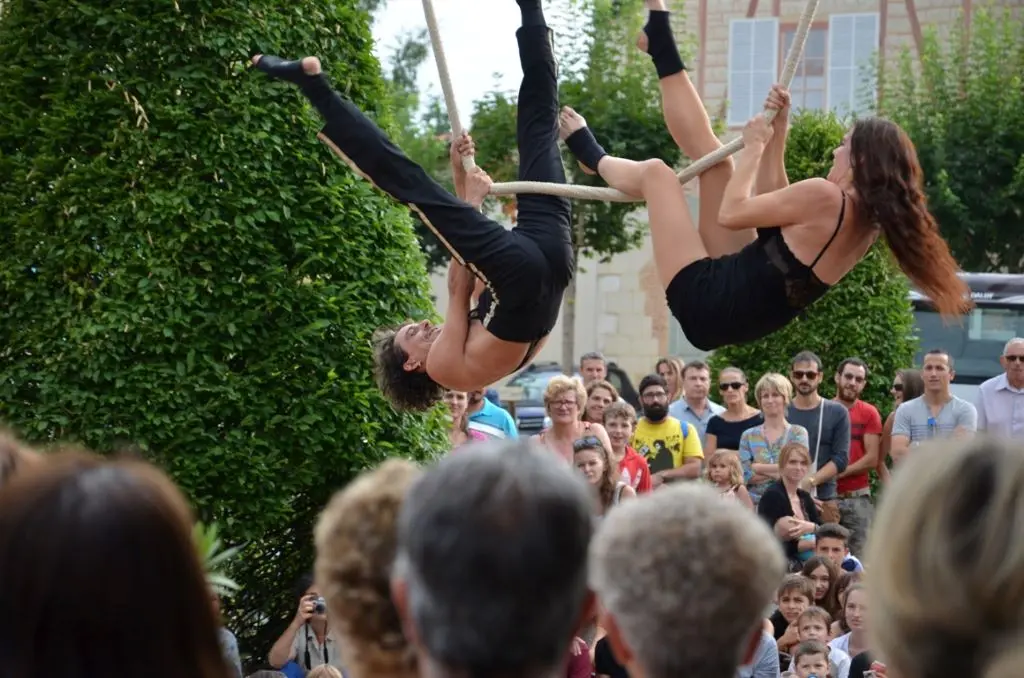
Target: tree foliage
{"points": [[185, 269], [420, 127], [867, 315], [963, 106]]}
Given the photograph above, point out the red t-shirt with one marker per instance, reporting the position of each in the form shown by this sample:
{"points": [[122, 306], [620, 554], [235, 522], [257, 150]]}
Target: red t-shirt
{"points": [[864, 420], [635, 471]]}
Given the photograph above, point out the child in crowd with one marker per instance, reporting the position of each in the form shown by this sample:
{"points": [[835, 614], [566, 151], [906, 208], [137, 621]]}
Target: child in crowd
{"points": [[619, 421], [795, 595], [724, 471], [832, 540], [813, 626], [811, 659]]}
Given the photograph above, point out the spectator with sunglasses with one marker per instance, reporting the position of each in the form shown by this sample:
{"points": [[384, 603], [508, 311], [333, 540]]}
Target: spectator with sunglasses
{"points": [[1001, 399], [592, 459], [937, 414], [726, 428], [906, 385]]}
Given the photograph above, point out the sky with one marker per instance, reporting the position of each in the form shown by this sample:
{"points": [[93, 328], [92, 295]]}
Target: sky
{"points": [[475, 45], [473, 55]]}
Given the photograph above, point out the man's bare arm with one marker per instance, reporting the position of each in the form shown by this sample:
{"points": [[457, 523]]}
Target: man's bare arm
{"points": [[446, 362]]}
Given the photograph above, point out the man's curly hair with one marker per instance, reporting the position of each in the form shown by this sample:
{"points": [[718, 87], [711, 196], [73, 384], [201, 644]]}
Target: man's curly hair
{"points": [[406, 390], [356, 542]]}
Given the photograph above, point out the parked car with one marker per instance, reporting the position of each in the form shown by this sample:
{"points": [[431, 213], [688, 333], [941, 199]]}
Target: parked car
{"points": [[530, 416]]}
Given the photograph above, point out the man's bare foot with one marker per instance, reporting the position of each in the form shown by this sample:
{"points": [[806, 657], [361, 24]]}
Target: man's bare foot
{"points": [[281, 68], [570, 122]]}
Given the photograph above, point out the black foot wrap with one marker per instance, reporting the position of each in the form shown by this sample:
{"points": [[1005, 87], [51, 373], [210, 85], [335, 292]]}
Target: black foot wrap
{"points": [[584, 146], [661, 44], [282, 69]]}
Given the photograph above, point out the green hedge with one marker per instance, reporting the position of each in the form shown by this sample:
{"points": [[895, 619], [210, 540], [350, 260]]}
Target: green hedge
{"points": [[867, 315], [185, 269]]}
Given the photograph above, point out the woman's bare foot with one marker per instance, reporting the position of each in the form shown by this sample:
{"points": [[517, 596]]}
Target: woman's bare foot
{"points": [[570, 122], [310, 65]]}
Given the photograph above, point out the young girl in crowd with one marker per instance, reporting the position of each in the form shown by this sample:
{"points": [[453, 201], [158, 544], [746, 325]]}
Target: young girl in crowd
{"points": [[725, 473], [824, 574], [591, 457]]}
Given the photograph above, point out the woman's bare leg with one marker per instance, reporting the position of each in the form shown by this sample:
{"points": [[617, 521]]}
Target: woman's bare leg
{"points": [[676, 242], [690, 127]]}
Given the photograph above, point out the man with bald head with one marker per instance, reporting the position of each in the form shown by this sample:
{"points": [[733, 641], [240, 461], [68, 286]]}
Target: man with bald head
{"points": [[1001, 399]]}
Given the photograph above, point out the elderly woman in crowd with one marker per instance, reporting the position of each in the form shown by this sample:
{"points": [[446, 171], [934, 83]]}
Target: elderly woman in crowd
{"points": [[565, 400]]}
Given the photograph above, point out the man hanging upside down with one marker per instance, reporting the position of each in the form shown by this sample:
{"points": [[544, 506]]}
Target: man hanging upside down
{"points": [[517, 277]]}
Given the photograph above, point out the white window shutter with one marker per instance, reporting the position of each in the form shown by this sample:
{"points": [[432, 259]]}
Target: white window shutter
{"points": [[753, 46], [852, 44]]}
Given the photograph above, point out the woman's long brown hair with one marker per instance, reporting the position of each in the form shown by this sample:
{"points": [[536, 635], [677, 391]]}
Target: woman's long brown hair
{"points": [[889, 183]]}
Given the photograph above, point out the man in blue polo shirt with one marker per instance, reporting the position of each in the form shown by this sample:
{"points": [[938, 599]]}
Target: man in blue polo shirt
{"points": [[488, 418]]}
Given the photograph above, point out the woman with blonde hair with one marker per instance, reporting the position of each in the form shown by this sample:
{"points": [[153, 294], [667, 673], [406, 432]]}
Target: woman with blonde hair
{"points": [[946, 564], [356, 540], [565, 400], [760, 446], [671, 370], [459, 434], [788, 509]]}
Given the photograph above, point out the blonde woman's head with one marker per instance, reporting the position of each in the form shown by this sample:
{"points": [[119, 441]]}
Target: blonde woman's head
{"points": [[946, 563], [773, 392], [356, 542], [565, 399]]}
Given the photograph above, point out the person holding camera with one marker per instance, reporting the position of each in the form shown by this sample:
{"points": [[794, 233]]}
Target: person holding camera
{"points": [[307, 642]]}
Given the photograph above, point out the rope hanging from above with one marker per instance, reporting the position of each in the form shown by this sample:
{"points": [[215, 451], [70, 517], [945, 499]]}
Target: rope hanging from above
{"points": [[600, 193]]}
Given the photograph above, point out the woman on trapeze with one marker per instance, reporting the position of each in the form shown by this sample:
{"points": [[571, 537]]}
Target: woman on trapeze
{"points": [[517, 277], [754, 263]]}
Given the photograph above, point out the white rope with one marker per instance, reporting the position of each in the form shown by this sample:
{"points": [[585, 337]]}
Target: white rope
{"points": [[446, 82], [606, 194]]}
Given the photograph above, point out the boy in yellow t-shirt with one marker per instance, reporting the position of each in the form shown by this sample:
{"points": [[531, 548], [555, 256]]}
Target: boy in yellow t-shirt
{"points": [[672, 447]]}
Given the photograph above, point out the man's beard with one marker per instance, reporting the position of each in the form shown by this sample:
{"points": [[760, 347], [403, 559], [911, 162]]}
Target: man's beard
{"points": [[655, 412]]}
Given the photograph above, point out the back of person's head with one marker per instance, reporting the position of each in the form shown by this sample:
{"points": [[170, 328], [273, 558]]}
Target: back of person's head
{"points": [[324, 671], [100, 575], [14, 458], [491, 570], [356, 541], [266, 673], [687, 591], [946, 573]]}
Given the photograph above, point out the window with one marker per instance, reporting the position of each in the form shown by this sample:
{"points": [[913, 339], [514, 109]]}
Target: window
{"points": [[808, 86], [852, 43], [753, 66]]}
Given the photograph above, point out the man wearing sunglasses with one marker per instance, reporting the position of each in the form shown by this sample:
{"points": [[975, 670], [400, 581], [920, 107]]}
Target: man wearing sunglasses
{"points": [[828, 431], [1001, 398], [935, 415]]}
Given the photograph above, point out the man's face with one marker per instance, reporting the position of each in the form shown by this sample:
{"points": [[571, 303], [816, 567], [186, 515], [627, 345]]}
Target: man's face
{"points": [[812, 665], [592, 370], [416, 339], [620, 430], [812, 629], [831, 548], [805, 377], [696, 384], [850, 382], [1013, 362], [936, 372], [791, 604], [475, 398], [655, 402]]}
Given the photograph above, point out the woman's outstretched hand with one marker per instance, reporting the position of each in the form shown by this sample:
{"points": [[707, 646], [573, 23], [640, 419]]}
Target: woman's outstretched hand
{"points": [[757, 131]]}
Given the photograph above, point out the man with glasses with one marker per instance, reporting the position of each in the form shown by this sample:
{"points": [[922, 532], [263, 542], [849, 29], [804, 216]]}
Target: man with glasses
{"points": [[828, 430], [672, 447], [937, 413], [1001, 398], [854, 484]]}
